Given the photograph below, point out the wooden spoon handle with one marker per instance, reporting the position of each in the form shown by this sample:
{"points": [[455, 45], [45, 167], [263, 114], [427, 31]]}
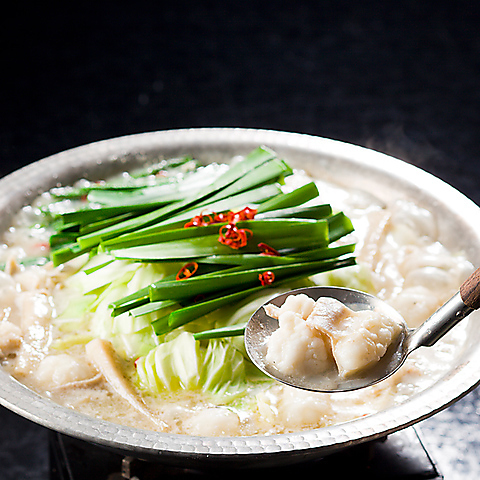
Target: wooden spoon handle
{"points": [[470, 290]]}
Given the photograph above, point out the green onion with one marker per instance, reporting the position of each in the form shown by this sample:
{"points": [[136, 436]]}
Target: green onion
{"points": [[187, 314], [68, 252], [107, 222], [254, 196], [135, 180], [137, 299], [339, 225], [221, 332], [314, 212], [201, 285], [151, 307], [140, 219], [297, 197], [255, 159], [188, 243]]}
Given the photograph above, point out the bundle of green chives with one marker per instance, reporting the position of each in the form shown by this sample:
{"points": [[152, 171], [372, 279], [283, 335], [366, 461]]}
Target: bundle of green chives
{"points": [[286, 236]]}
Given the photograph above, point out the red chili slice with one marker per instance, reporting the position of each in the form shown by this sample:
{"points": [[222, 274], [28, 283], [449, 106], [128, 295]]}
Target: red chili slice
{"points": [[187, 271], [224, 217], [201, 220], [229, 234], [234, 237], [266, 278], [267, 250], [246, 214]]}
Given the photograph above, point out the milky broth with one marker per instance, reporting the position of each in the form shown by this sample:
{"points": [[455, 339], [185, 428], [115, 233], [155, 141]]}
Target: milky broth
{"points": [[399, 259]]}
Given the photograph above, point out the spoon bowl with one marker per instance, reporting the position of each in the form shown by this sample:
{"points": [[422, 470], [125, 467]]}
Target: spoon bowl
{"points": [[261, 326]]}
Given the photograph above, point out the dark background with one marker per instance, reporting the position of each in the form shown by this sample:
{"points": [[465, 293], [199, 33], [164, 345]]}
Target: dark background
{"points": [[399, 77]]}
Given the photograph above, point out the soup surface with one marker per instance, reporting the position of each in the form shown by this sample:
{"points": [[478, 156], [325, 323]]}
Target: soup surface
{"points": [[69, 329]]}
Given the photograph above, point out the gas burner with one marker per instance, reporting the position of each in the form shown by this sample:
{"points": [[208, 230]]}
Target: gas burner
{"points": [[400, 456]]}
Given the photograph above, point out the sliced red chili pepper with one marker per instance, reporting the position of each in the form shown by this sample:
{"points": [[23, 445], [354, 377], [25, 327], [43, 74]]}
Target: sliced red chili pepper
{"points": [[246, 214], [201, 220], [233, 237], [224, 217], [194, 222], [187, 271], [266, 278], [267, 250], [229, 235]]}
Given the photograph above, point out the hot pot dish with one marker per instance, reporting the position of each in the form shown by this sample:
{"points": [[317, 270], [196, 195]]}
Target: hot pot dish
{"points": [[130, 267]]}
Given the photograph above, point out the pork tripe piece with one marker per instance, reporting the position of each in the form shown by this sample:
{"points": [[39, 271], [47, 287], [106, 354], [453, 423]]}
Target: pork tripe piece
{"points": [[214, 421], [313, 337], [295, 348], [301, 304], [358, 339], [61, 369], [10, 338]]}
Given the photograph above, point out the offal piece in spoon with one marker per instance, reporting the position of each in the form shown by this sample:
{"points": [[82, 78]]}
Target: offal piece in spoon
{"points": [[318, 336]]}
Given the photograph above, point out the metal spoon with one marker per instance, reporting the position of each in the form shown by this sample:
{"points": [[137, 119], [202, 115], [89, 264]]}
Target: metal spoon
{"points": [[261, 326]]}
